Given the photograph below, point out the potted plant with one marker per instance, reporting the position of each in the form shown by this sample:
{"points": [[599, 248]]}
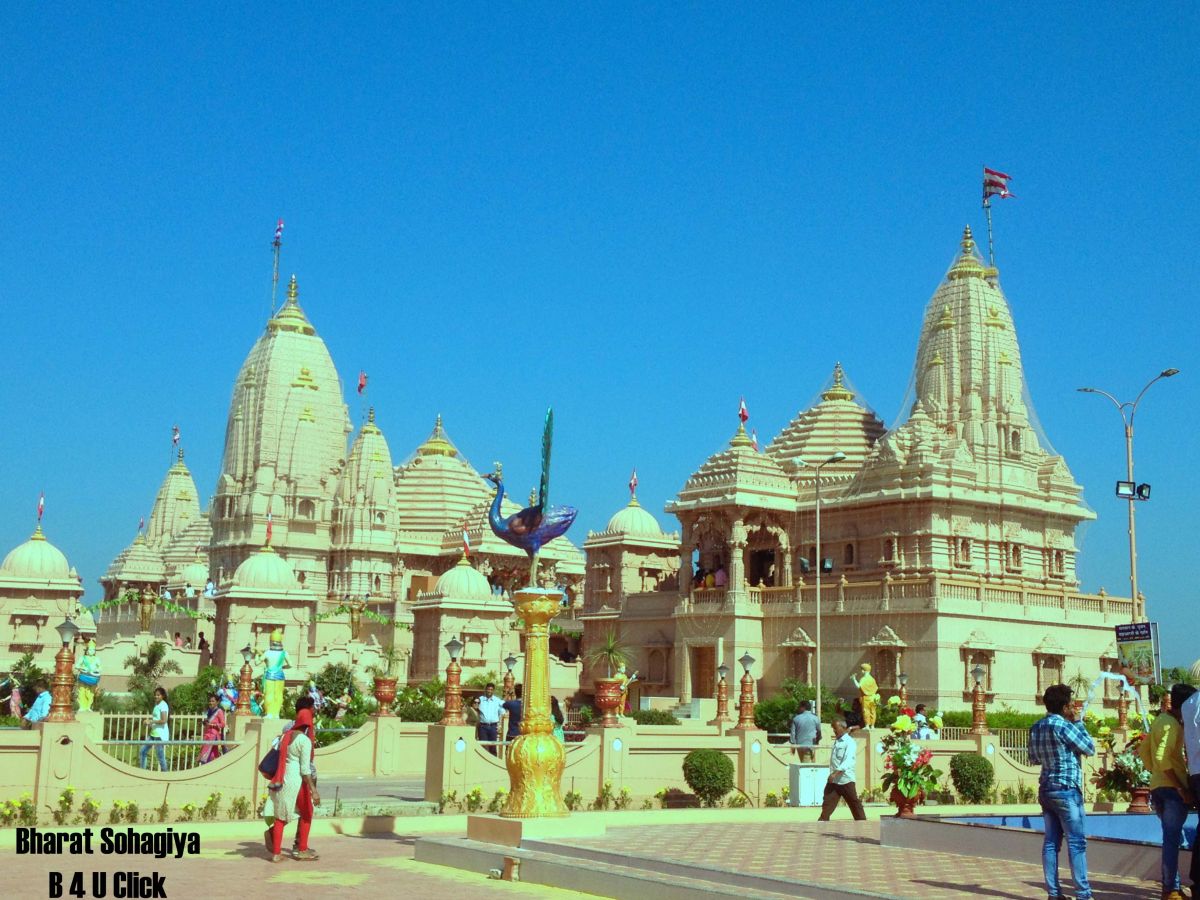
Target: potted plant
{"points": [[385, 680], [612, 654], [908, 774], [1127, 774], [1079, 686]]}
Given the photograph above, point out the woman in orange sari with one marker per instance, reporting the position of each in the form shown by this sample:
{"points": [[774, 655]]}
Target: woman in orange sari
{"points": [[292, 789]]}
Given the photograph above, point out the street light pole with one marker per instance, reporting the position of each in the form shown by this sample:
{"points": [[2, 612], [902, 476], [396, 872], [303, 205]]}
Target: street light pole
{"points": [[837, 457], [1127, 411]]}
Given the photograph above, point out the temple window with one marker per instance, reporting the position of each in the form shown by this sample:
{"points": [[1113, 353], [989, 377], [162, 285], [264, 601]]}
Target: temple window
{"points": [[306, 509], [798, 664], [1059, 562], [1015, 441], [1049, 669], [657, 668], [1014, 557], [848, 555], [962, 552], [889, 550], [886, 668], [380, 519], [378, 584], [1112, 687]]}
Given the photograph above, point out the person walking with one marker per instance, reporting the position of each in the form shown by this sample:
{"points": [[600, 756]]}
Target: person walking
{"points": [[160, 731], [1056, 743], [513, 709], [293, 789], [805, 732], [842, 767], [214, 730], [490, 708], [1162, 752], [1189, 714], [556, 714], [41, 703]]}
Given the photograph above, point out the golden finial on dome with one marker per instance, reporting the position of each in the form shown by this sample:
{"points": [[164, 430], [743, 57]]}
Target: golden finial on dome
{"points": [[946, 320], [937, 359], [371, 415], [968, 242], [968, 264], [437, 444], [837, 390], [293, 290], [180, 455], [37, 533], [740, 438]]}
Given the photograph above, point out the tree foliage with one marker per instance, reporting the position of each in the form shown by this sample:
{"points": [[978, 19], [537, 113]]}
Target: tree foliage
{"points": [[709, 773]]}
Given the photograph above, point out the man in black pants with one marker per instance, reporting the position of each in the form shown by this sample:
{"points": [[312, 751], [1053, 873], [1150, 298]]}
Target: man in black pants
{"points": [[841, 775]]}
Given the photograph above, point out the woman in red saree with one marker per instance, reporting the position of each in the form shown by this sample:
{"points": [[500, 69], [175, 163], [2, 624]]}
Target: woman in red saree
{"points": [[214, 730], [292, 789]]}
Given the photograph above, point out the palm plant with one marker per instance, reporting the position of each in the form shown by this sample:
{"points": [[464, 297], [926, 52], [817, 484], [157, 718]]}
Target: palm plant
{"points": [[151, 667], [611, 652]]}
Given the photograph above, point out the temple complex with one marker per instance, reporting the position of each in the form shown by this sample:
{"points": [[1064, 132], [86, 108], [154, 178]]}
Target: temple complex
{"points": [[947, 543]]}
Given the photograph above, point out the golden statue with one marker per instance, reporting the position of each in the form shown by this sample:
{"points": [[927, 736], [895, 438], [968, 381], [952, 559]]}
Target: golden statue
{"points": [[146, 608], [868, 691]]}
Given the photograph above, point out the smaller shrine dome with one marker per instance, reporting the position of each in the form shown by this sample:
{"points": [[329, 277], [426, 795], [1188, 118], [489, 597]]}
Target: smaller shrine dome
{"points": [[464, 582], [195, 574], [266, 570], [634, 520], [37, 558]]}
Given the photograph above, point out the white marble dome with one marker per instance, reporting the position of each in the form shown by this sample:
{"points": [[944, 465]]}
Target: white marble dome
{"points": [[266, 570], [464, 582], [634, 520], [37, 558]]}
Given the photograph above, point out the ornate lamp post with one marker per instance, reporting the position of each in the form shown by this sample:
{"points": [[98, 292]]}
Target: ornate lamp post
{"points": [[903, 679], [745, 720], [245, 682], [454, 708], [722, 696], [62, 708], [1128, 489], [836, 457], [509, 692], [978, 702], [1122, 710]]}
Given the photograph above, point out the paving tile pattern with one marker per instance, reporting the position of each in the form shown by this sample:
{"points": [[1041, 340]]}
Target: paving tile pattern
{"points": [[845, 854]]}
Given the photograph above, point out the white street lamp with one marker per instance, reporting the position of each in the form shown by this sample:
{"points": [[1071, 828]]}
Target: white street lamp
{"points": [[1128, 489], [835, 458]]}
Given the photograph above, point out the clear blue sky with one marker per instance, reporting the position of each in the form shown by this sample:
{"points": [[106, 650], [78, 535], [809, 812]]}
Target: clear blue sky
{"points": [[635, 213]]}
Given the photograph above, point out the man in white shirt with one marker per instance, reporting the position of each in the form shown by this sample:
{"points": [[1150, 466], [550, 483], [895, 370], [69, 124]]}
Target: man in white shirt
{"points": [[1189, 714], [490, 708], [842, 765]]}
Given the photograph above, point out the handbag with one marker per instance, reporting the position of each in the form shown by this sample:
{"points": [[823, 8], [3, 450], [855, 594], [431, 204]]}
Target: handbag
{"points": [[269, 764]]}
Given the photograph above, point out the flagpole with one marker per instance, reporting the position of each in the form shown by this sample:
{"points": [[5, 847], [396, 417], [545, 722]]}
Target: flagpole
{"points": [[987, 208], [276, 245]]}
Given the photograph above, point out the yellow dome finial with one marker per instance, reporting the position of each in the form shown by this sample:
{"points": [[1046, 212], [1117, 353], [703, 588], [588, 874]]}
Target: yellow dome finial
{"points": [[838, 390], [968, 241], [967, 265], [371, 415], [293, 290]]}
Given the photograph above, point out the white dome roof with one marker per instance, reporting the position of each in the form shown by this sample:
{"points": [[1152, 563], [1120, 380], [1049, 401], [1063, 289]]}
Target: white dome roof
{"points": [[36, 558], [195, 574], [634, 519], [266, 570], [464, 582]]}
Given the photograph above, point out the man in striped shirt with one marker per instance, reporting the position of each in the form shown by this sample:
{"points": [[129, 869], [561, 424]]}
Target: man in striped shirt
{"points": [[1056, 743]]}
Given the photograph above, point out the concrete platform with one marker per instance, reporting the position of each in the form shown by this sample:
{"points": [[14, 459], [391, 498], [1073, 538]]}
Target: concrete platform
{"points": [[513, 832]]}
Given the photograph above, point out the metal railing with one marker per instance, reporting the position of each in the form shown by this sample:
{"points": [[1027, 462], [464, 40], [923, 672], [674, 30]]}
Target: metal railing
{"points": [[123, 734], [179, 755], [571, 745]]}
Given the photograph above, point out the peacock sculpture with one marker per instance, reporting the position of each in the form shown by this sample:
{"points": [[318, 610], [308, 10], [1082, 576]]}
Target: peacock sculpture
{"points": [[536, 525]]}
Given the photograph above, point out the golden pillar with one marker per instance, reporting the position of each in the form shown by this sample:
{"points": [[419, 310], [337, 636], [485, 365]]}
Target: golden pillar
{"points": [[536, 759]]}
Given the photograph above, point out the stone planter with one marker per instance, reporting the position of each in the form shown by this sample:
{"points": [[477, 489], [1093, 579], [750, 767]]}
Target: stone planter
{"points": [[1141, 801], [385, 693], [608, 701], [905, 806]]}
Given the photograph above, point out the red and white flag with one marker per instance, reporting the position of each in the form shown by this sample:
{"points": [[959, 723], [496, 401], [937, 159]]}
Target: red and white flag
{"points": [[279, 233], [754, 439], [41, 506], [633, 483], [995, 184], [174, 435], [743, 413], [466, 543], [269, 529], [362, 381]]}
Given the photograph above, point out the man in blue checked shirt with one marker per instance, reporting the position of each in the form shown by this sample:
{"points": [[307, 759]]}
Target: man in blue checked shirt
{"points": [[1056, 743]]}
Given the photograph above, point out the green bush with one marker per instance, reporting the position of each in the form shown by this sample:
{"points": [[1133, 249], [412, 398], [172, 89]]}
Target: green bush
{"points": [[709, 773], [774, 714], [419, 704], [654, 717], [972, 776], [193, 697]]}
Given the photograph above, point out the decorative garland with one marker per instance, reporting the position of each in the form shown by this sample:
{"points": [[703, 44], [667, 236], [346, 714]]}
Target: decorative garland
{"points": [[169, 605], [345, 610]]}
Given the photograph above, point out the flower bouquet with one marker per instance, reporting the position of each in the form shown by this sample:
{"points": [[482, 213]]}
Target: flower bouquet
{"points": [[908, 770], [1128, 774]]}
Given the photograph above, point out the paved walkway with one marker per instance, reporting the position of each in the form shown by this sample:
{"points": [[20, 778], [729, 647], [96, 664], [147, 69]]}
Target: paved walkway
{"points": [[841, 854]]}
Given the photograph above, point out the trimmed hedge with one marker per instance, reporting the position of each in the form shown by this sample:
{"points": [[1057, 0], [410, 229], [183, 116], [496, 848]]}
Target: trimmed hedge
{"points": [[972, 776], [709, 773], [653, 717]]}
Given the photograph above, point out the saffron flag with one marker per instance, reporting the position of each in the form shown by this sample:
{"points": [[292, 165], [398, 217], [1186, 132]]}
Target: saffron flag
{"points": [[995, 184], [268, 529], [633, 482], [41, 506], [279, 233], [175, 435], [754, 439], [743, 413], [466, 543], [362, 381]]}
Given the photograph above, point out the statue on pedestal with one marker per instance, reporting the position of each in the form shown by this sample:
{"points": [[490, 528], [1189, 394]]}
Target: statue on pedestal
{"points": [[868, 691], [276, 661], [146, 608], [88, 671], [357, 606]]}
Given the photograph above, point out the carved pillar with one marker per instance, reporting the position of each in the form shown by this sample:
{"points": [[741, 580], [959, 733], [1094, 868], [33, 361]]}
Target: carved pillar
{"points": [[737, 560], [683, 672]]}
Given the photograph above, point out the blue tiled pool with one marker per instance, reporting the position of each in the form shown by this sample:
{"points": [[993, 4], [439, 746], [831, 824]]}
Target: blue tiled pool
{"points": [[1121, 826]]}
